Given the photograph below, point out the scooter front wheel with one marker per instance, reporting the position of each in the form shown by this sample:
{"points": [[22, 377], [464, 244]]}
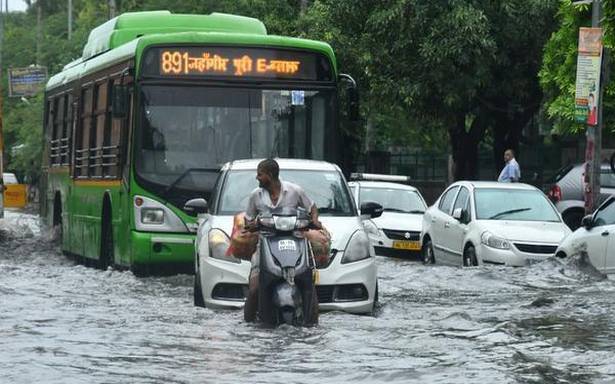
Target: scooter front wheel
{"points": [[287, 316]]}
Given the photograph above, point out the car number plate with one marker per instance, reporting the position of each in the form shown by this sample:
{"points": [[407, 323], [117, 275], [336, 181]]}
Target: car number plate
{"points": [[287, 245], [407, 245]]}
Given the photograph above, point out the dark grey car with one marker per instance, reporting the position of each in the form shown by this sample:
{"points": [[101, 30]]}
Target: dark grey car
{"points": [[566, 192]]}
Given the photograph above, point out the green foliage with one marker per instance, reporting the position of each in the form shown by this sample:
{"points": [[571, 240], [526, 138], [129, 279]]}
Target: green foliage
{"points": [[558, 72], [422, 66], [23, 130]]}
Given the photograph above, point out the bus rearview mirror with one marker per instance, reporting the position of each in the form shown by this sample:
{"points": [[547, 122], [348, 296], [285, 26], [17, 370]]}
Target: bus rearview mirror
{"points": [[352, 96]]}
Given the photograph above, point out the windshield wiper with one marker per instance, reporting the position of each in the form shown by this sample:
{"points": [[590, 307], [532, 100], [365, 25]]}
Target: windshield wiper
{"points": [[403, 211], [509, 212], [168, 189], [395, 210]]}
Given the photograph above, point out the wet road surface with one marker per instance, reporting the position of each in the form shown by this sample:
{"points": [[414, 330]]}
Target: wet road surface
{"points": [[61, 322]]}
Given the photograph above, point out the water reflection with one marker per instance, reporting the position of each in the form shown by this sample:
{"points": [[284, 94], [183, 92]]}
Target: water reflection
{"points": [[62, 322]]}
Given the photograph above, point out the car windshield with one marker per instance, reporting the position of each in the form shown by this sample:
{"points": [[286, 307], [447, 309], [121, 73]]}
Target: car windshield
{"points": [[393, 199], [326, 188], [513, 205]]}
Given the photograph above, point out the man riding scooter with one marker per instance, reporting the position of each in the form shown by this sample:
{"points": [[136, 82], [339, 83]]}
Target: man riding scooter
{"points": [[272, 193]]}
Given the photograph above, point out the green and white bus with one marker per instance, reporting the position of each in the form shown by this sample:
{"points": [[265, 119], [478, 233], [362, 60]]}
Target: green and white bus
{"points": [[157, 102]]}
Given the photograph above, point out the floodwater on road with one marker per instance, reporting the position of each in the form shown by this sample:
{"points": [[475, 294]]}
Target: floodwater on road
{"points": [[60, 322]]}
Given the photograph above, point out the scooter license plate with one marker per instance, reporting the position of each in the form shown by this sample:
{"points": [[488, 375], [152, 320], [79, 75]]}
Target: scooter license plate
{"points": [[287, 245]]}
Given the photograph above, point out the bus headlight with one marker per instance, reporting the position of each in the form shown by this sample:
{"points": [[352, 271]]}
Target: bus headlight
{"points": [[357, 248], [152, 216]]}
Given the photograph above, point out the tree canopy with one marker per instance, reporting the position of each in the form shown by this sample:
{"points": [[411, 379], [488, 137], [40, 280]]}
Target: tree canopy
{"points": [[432, 74]]}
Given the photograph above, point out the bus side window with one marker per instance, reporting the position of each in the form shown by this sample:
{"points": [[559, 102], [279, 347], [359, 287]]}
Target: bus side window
{"points": [[98, 150], [82, 138], [113, 136]]}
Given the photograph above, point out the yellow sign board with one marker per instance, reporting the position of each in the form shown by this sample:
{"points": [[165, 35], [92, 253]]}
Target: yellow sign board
{"points": [[15, 196]]}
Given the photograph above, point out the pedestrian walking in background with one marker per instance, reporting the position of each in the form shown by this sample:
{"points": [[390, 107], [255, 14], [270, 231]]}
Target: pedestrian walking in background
{"points": [[511, 172]]}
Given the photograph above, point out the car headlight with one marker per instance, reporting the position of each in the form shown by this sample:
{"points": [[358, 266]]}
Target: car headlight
{"points": [[493, 241], [357, 248], [152, 216], [371, 228], [219, 244]]}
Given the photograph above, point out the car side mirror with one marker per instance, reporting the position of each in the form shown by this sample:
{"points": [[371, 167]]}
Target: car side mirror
{"points": [[371, 209], [457, 214], [587, 222], [196, 207]]}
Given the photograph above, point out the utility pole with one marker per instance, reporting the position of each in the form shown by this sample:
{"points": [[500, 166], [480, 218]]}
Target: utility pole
{"points": [[70, 19], [593, 151], [111, 9], [1, 116], [39, 16]]}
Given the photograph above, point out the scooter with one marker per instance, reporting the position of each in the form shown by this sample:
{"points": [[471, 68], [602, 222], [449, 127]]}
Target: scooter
{"points": [[286, 294]]}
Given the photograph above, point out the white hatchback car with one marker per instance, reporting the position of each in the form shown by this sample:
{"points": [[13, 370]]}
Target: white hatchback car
{"points": [[488, 222], [596, 237], [348, 283], [398, 231]]}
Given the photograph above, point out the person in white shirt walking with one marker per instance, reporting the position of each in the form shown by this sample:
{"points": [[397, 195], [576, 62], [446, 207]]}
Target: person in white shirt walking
{"points": [[511, 172]]}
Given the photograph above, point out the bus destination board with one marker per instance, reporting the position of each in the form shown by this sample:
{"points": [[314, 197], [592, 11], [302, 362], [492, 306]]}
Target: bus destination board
{"points": [[236, 62]]}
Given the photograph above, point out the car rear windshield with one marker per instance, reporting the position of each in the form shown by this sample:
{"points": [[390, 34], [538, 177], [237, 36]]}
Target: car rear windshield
{"points": [[607, 179], [327, 189], [561, 173], [513, 205]]}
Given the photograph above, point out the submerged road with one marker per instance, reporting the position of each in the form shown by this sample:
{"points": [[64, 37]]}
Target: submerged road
{"points": [[553, 322]]}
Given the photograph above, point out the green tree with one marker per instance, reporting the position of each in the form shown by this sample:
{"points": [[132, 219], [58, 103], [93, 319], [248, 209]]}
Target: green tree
{"points": [[558, 72], [469, 67]]}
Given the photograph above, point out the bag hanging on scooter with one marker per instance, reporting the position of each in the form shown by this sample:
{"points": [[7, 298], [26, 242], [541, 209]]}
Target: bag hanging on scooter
{"points": [[243, 242], [320, 240]]}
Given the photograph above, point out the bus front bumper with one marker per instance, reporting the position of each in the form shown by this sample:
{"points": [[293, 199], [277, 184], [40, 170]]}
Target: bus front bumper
{"points": [[162, 253]]}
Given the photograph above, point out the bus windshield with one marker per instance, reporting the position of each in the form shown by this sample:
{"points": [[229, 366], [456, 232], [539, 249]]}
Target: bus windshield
{"points": [[199, 127]]}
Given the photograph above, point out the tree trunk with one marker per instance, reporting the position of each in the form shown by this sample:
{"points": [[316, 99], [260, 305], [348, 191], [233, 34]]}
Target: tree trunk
{"points": [[465, 147]]}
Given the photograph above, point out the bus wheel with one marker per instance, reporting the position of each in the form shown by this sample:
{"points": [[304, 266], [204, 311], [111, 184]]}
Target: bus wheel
{"points": [[106, 245], [57, 219]]}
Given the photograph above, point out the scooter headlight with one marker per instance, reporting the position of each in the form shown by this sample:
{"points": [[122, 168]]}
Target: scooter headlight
{"points": [[285, 223], [357, 248], [219, 244]]}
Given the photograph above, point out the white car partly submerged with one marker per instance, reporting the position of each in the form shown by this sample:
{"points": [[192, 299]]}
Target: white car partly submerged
{"points": [[487, 222], [596, 238], [397, 232], [348, 283]]}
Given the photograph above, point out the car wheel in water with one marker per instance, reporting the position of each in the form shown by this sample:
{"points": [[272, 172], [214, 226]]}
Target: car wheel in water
{"points": [[198, 292], [427, 253], [469, 257]]}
